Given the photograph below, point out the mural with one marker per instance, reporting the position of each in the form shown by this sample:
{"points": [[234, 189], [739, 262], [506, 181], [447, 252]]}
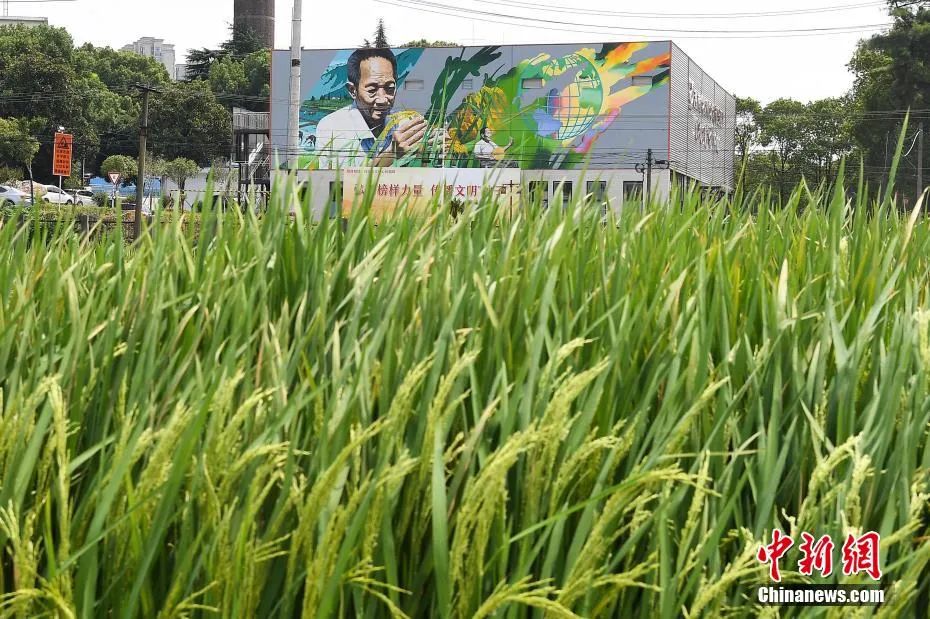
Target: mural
{"points": [[479, 110]]}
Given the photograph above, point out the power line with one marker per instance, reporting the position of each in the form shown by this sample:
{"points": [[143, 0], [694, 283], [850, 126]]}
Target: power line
{"points": [[550, 24], [647, 15]]}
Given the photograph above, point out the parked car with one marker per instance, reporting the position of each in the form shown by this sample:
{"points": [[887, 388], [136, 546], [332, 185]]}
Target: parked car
{"points": [[84, 197], [10, 196], [54, 195]]}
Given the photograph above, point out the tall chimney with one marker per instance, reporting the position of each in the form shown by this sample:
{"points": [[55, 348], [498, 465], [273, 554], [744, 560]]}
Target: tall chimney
{"points": [[257, 15]]}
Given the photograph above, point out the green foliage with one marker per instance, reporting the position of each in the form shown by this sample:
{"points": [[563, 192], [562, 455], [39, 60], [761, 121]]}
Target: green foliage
{"points": [[239, 73], [17, 146], [747, 130], [428, 43], [75, 181], [228, 75], [46, 83], [127, 167], [187, 121], [435, 418], [380, 36], [8, 174], [118, 70], [780, 144], [892, 72], [180, 170], [257, 68]]}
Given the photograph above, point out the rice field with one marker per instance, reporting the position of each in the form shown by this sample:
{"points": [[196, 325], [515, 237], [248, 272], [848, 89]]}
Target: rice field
{"points": [[538, 416]]}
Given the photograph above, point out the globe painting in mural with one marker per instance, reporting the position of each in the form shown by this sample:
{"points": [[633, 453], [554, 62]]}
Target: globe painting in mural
{"points": [[576, 106]]}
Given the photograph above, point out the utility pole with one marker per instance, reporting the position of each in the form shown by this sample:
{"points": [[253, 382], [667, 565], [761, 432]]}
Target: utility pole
{"points": [[649, 163], [293, 122], [143, 146], [920, 160]]}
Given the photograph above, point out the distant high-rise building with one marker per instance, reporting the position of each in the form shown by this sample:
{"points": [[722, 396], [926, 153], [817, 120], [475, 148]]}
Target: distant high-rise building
{"points": [[23, 21], [258, 16], [162, 52]]}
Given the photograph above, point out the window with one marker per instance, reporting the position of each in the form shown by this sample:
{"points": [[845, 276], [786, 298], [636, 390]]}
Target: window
{"points": [[642, 80], [335, 198], [532, 83], [2, 189], [468, 84], [633, 191], [597, 194], [539, 192], [563, 193], [413, 85]]}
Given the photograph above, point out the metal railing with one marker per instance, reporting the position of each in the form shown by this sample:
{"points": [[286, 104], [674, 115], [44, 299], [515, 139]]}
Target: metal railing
{"points": [[250, 122]]}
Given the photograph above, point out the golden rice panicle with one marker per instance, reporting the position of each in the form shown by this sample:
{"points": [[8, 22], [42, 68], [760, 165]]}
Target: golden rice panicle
{"points": [[484, 498]]}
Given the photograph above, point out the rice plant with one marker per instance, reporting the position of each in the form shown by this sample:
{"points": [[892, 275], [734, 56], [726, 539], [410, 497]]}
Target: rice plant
{"points": [[543, 415]]}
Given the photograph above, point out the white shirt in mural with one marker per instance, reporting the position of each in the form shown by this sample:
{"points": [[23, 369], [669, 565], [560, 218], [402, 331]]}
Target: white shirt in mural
{"points": [[343, 139]]}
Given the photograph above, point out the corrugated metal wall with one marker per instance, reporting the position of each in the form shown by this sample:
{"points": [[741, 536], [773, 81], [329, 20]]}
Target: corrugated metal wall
{"points": [[701, 132]]}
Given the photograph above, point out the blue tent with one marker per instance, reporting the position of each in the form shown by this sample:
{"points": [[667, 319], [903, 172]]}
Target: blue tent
{"points": [[100, 185]]}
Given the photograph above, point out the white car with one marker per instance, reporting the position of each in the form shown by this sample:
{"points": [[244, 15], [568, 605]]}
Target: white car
{"points": [[84, 197], [54, 195], [10, 196]]}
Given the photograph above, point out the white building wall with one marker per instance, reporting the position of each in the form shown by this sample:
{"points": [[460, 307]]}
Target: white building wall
{"points": [[23, 21], [321, 184], [157, 49]]}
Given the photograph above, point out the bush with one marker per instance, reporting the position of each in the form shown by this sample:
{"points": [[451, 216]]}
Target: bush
{"points": [[8, 174], [101, 198]]}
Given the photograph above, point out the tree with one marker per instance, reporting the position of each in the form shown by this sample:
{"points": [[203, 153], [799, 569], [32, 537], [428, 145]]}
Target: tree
{"points": [[380, 35], [35, 63], [781, 131], [239, 72], [747, 129], [47, 83], [180, 170], [75, 181], [827, 139], [228, 76], [9, 175], [119, 71], [892, 73], [17, 147], [242, 43], [427, 43], [125, 166], [186, 120]]}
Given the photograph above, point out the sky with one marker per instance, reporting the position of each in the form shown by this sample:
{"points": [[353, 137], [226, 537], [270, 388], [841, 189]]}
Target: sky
{"points": [[754, 65]]}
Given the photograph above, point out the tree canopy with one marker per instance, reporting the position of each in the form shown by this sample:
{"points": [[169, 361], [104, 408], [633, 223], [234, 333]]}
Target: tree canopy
{"points": [[121, 164], [47, 83], [186, 120], [17, 147], [180, 170], [892, 75], [428, 43], [239, 72]]}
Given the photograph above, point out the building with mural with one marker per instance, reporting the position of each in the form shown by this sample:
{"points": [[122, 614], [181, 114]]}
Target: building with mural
{"points": [[560, 121]]}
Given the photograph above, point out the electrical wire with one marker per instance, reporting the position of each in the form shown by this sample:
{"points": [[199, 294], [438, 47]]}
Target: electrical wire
{"points": [[560, 25], [647, 15]]}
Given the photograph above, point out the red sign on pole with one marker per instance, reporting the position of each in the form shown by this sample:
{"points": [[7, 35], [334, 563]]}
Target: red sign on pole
{"points": [[61, 157]]}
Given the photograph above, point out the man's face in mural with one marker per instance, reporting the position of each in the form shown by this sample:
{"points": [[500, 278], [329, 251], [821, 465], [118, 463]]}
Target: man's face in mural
{"points": [[487, 133], [374, 94]]}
